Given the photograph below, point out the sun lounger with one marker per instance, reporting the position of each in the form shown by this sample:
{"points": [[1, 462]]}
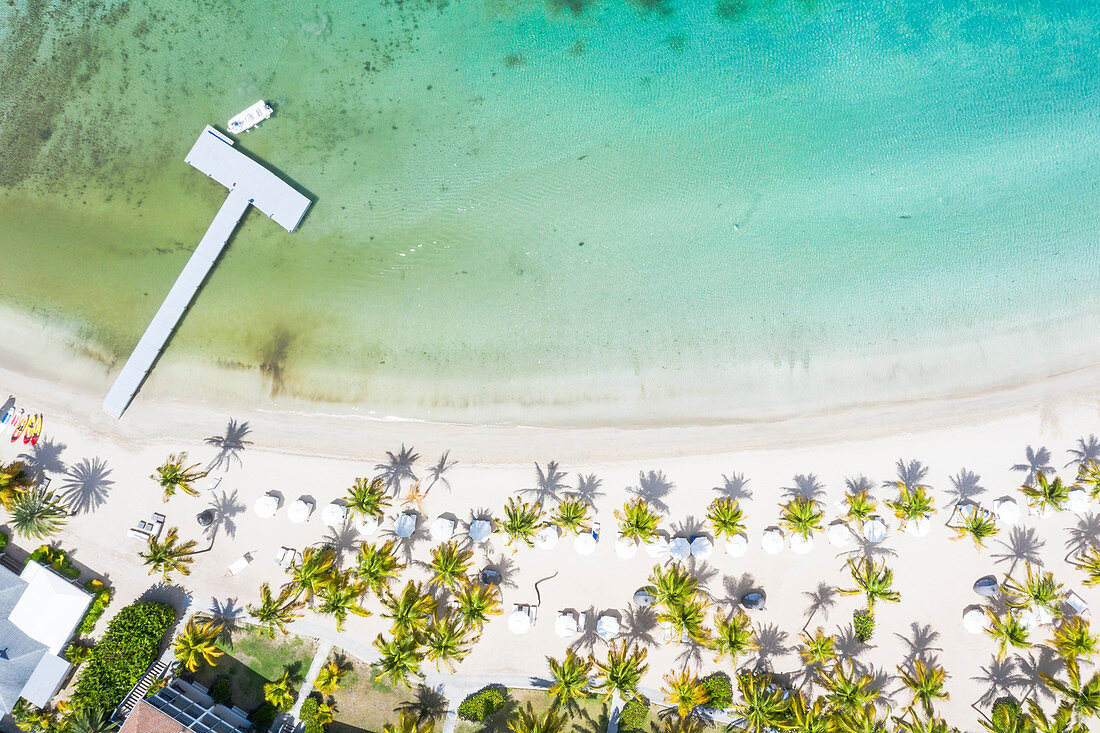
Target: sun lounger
{"points": [[239, 564], [158, 524], [1077, 603], [146, 527], [138, 534], [286, 556]]}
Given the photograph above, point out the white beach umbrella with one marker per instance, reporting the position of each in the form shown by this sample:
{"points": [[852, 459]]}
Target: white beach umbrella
{"points": [[519, 622], [1007, 510], [919, 527], [772, 541], [1078, 501], [1028, 619], [656, 547], [874, 530], [839, 535], [405, 525], [333, 515], [625, 548], [547, 537], [975, 621], [585, 543], [365, 525], [702, 547], [737, 545], [679, 549], [480, 530], [565, 625], [299, 511], [442, 529], [607, 627], [266, 506], [1044, 617], [801, 545]]}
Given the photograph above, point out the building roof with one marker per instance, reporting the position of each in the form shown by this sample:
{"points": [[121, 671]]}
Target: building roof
{"points": [[147, 719], [50, 607], [45, 679], [19, 657]]}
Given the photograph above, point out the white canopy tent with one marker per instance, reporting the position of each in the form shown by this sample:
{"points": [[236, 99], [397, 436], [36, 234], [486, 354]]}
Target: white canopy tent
{"points": [[656, 547], [1078, 501], [565, 625], [1007, 510], [585, 543], [801, 545], [480, 530], [365, 525], [919, 527], [442, 529], [874, 530], [333, 515], [519, 621], [625, 548], [679, 549], [975, 621]]}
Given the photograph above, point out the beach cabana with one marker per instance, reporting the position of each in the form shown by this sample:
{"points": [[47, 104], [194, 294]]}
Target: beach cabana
{"points": [[625, 548], [266, 506], [480, 530], [547, 537], [565, 625], [754, 600], [919, 527], [801, 545], [874, 530], [679, 549], [974, 620], [405, 525], [333, 515], [585, 543], [1007, 510], [607, 627], [643, 598], [365, 525], [1078, 501], [299, 511], [656, 547], [737, 545], [771, 541], [519, 621], [442, 529], [839, 535], [986, 586], [701, 547]]}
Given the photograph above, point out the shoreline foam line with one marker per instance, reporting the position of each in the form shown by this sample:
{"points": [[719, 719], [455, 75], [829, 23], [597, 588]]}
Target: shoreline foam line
{"points": [[249, 184]]}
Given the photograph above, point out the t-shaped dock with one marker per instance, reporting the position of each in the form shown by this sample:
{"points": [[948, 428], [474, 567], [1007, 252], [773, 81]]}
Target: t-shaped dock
{"points": [[249, 184]]}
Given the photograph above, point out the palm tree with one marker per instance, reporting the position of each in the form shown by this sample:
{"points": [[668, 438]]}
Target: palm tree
{"points": [[926, 682], [819, 649], [1061, 722], [1007, 719], [726, 518], [14, 480], [915, 724], [682, 724], [809, 717], [90, 720], [848, 690], [1046, 493], [802, 515], [399, 660], [912, 504], [876, 582], [476, 603], [409, 722], [197, 644], [343, 595], [733, 636], [672, 585], [687, 617], [978, 524], [764, 705], [572, 515], [368, 499], [37, 513], [172, 475], [411, 611], [1088, 477], [621, 671], [864, 720], [570, 679], [324, 714], [1082, 698], [1089, 562], [329, 678], [280, 694], [273, 614], [637, 521], [527, 721], [1038, 590], [445, 641], [1007, 631], [1073, 641], [450, 565], [521, 521], [378, 565], [312, 575], [685, 692], [167, 557], [861, 506]]}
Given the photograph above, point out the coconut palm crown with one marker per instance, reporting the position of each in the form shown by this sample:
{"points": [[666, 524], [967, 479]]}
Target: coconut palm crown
{"points": [[173, 476], [169, 555], [802, 516], [37, 513], [912, 504], [637, 521], [1046, 493], [368, 498], [272, 613], [726, 518], [196, 644], [449, 566], [621, 671], [861, 506], [572, 515], [521, 521], [570, 677], [873, 580]]}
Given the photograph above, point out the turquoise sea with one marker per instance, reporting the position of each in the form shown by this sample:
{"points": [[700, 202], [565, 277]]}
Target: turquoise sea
{"points": [[659, 207]]}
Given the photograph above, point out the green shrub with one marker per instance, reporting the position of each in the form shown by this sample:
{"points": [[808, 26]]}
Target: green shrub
{"points": [[308, 715], [221, 690], [126, 650], [719, 689], [76, 653], [3, 540], [263, 716], [863, 624], [635, 714], [57, 559], [1006, 711], [101, 597], [481, 704]]}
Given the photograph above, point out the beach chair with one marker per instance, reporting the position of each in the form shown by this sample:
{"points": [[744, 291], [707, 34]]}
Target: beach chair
{"points": [[137, 534], [1077, 603], [158, 524], [239, 564]]}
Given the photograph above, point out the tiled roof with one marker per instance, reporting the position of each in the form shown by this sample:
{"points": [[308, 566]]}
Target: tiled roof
{"points": [[147, 719]]}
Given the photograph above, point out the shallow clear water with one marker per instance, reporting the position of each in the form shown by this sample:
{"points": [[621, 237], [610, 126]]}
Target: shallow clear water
{"points": [[542, 203]]}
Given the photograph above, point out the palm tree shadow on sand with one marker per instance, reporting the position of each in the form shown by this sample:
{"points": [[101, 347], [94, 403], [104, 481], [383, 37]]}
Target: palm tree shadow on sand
{"points": [[1088, 449], [1036, 461], [734, 487], [652, 488], [1023, 545], [229, 445], [43, 458], [548, 484], [397, 468], [86, 485]]}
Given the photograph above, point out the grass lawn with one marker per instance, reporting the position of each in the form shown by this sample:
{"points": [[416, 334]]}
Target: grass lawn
{"points": [[362, 704], [251, 660], [590, 718]]}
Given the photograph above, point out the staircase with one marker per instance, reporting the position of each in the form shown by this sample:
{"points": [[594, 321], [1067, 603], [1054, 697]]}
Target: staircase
{"points": [[151, 675]]}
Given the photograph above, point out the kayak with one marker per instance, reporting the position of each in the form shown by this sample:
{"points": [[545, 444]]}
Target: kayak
{"points": [[33, 429], [38, 429], [22, 424], [8, 415]]}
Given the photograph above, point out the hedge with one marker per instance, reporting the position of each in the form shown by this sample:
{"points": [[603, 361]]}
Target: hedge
{"points": [[102, 596], [3, 540], [481, 704], [635, 714], [308, 716], [56, 558], [719, 691], [863, 625], [263, 716], [126, 650], [221, 690]]}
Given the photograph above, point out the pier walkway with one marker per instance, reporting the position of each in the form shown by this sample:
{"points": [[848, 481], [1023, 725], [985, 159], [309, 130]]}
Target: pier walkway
{"points": [[249, 184]]}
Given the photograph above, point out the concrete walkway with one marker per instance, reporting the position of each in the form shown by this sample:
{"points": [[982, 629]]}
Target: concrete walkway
{"points": [[323, 649]]}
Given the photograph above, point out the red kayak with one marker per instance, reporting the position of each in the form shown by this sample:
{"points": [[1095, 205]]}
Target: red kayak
{"points": [[33, 430], [19, 427]]}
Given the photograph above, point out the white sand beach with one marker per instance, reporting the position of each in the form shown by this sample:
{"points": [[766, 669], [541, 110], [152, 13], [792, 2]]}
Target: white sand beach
{"points": [[969, 447]]}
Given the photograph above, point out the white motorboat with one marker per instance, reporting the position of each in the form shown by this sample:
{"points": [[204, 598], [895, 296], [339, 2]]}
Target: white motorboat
{"points": [[251, 117]]}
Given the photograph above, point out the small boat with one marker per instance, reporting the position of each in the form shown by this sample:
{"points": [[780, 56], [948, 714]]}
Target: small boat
{"points": [[20, 426], [8, 415], [33, 430], [249, 118]]}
